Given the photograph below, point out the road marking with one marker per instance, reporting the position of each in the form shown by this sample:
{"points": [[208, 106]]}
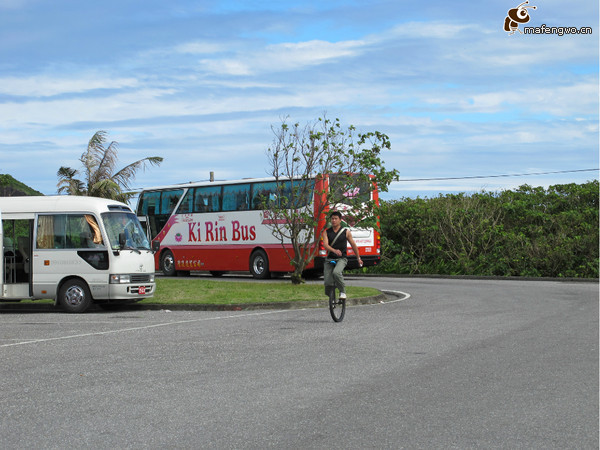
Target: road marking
{"points": [[146, 327], [405, 295]]}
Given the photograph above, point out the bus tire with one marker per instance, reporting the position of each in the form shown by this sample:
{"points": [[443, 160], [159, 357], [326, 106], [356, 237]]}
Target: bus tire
{"points": [[167, 263], [259, 265], [74, 296]]}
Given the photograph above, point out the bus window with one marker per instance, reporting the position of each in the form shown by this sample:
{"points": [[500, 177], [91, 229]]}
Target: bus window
{"points": [[362, 191], [207, 199], [158, 207], [187, 206], [126, 224], [236, 197], [264, 195], [300, 191], [168, 201], [60, 231], [149, 202]]}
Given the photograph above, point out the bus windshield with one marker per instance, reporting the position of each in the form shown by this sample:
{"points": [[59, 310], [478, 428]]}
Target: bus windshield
{"points": [[116, 223]]}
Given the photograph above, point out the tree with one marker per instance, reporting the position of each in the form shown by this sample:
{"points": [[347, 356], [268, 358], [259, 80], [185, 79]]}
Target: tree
{"points": [[99, 163], [299, 158]]}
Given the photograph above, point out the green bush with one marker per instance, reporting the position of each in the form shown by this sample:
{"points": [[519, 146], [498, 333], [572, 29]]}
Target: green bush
{"points": [[530, 231]]}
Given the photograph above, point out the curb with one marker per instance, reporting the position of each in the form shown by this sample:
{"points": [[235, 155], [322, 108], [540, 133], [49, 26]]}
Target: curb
{"points": [[16, 307], [254, 306]]}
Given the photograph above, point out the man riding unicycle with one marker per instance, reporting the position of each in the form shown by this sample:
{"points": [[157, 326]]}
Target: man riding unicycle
{"points": [[335, 241]]}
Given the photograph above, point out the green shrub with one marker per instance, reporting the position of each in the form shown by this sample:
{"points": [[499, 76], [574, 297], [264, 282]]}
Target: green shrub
{"points": [[530, 231]]}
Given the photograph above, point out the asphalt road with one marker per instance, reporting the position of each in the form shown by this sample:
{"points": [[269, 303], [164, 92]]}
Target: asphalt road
{"points": [[458, 364]]}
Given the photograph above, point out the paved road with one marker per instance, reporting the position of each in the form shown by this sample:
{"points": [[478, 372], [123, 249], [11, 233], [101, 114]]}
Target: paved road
{"points": [[459, 364]]}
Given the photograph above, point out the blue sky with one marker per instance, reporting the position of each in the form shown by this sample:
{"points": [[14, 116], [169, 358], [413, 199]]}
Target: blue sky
{"points": [[200, 83]]}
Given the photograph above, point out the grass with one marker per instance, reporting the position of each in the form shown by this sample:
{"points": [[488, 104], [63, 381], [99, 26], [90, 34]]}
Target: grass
{"points": [[207, 292], [196, 291]]}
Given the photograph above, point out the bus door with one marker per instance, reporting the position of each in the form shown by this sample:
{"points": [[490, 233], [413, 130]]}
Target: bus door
{"points": [[17, 236], [147, 225]]}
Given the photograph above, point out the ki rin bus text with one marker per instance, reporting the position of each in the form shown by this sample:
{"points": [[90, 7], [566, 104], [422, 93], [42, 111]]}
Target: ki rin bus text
{"points": [[217, 231]]}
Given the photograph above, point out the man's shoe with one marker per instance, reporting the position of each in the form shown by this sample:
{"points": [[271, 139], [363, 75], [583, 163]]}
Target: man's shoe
{"points": [[342, 296]]}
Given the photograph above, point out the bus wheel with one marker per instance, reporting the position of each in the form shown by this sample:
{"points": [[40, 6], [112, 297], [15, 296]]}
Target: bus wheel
{"points": [[259, 265], [74, 296], [167, 263]]}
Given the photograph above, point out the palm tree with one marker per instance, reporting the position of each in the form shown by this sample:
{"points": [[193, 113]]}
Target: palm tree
{"points": [[101, 180]]}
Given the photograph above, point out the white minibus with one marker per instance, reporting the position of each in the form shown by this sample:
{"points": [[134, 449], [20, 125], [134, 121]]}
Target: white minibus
{"points": [[75, 250]]}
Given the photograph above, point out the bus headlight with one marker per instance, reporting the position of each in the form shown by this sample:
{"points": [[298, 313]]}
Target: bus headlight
{"points": [[120, 279]]}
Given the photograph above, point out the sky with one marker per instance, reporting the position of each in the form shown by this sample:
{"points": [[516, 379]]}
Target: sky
{"points": [[202, 84]]}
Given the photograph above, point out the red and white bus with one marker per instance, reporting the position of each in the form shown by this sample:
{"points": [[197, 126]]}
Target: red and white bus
{"points": [[220, 227]]}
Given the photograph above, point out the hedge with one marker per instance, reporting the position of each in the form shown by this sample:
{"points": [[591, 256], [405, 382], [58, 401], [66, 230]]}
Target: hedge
{"points": [[530, 231]]}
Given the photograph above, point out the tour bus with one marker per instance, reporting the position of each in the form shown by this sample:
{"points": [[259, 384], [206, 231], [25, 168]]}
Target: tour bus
{"points": [[220, 227], [74, 250]]}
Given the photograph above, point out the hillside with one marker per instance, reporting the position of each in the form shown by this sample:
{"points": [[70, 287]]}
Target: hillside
{"points": [[9, 187]]}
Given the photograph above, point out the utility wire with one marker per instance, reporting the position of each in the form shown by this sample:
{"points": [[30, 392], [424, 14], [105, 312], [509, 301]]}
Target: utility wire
{"points": [[498, 176], [463, 178]]}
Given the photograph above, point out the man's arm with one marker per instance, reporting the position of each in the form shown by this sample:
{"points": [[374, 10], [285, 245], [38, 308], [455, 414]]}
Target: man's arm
{"points": [[354, 246]]}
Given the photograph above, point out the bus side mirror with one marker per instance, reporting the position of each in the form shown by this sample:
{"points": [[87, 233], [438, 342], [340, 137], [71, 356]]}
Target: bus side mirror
{"points": [[155, 246], [122, 241]]}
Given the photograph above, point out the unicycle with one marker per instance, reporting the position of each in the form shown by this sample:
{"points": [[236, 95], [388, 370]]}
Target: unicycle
{"points": [[337, 306]]}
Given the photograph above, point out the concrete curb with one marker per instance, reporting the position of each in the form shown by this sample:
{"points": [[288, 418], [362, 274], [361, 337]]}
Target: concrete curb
{"points": [[324, 303], [16, 307]]}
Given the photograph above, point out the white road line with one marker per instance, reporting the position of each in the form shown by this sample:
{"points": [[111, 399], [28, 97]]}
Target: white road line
{"points": [[101, 333], [179, 322], [405, 294]]}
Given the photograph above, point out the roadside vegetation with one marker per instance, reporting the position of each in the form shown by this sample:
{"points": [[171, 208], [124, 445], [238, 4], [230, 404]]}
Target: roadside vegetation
{"points": [[530, 231], [198, 291]]}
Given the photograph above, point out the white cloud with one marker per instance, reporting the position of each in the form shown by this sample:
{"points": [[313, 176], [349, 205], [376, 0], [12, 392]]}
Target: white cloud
{"points": [[428, 30], [199, 48], [283, 57], [578, 98], [48, 86]]}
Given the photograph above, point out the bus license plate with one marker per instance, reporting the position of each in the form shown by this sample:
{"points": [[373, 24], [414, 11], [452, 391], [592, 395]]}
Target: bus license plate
{"points": [[142, 290]]}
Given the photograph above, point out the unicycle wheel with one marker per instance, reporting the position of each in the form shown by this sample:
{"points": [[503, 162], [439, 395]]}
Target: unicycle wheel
{"points": [[337, 306]]}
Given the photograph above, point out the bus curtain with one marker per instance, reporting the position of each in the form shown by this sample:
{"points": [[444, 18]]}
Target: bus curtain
{"points": [[94, 226]]}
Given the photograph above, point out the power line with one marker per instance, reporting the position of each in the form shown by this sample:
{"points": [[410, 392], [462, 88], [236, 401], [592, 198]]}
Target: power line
{"points": [[498, 176]]}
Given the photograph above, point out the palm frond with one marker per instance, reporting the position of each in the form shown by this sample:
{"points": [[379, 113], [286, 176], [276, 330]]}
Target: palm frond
{"points": [[124, 176], [99, 162], [67, 183], [108, 161], [105, 188]]}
